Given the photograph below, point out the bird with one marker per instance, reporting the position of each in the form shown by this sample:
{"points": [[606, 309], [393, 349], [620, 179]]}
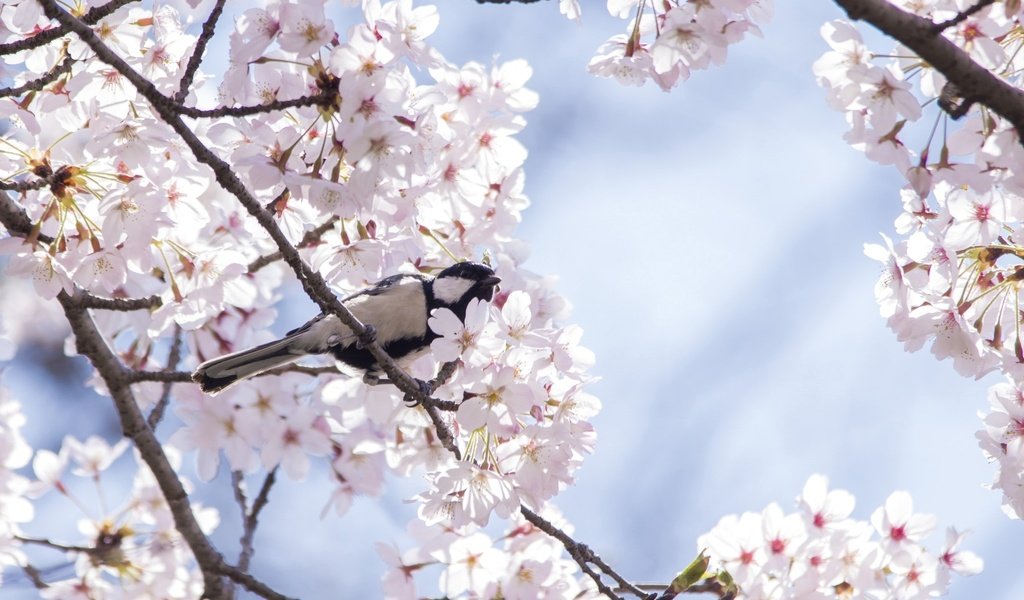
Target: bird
{"points": [[396, 308]]}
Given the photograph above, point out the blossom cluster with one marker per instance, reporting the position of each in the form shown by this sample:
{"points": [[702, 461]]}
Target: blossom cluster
{"points": [[130, 550], [404, 163], [523, 562], [951, 278], [667, 40], [819, 551]]}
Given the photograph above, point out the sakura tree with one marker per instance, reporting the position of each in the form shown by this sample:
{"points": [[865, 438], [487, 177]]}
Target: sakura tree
{"points": [[158, 201]]}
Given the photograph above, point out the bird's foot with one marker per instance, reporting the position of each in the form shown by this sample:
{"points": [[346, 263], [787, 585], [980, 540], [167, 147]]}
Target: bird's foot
{"points": [[368, 338], [425, 389]]}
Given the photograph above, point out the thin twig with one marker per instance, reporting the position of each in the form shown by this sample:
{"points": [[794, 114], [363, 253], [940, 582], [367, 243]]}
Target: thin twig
{"points": [[164, 376], [40, 82], [197, 54], [961, 16], [173, 357], [245, 111], [48, 35], [579, 552], [251, 520], [35, 577], [54, 545], [311, 237], [250, 583]]}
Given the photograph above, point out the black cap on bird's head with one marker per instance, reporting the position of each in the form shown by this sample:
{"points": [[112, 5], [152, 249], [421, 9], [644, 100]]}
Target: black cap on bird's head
{"points": [[464, 281]]}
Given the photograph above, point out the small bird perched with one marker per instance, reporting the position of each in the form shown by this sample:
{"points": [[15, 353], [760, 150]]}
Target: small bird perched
{"points": [[396, 307]]}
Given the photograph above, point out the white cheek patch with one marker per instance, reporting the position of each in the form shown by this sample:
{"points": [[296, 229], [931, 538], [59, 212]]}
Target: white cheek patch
{"points": [[450, 290]]}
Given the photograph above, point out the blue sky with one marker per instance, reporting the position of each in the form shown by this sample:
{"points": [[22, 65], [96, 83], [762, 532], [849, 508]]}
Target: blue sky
{"points": [[710, 240]]}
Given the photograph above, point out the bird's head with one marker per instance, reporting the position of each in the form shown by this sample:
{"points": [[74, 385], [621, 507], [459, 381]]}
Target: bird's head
{"points": [[461, 282]]}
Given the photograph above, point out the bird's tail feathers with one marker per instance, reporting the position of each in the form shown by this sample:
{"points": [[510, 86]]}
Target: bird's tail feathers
{"points": [[213, 376]]}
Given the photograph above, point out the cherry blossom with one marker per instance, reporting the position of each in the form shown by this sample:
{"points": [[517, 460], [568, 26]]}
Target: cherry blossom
{"points": [[687, 36], [807, 554]]}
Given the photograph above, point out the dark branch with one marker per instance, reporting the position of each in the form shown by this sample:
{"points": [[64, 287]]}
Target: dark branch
{"points": [[164, 376], [961, 16], [45, 37], [251, 515], [13, 216], [90, 343], [54, 545], [35, 577], [197, 54], [121, 304], [250, 583], [165, 396], [24, 186], [243, 111], [579, 552], [919, 35], [37, 84], [312, 282], [312, 236]]}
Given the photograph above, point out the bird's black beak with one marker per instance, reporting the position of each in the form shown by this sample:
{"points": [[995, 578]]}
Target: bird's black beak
{"points": [[489, 286]]}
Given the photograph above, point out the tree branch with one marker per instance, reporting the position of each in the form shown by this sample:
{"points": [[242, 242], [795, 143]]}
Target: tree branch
{"points": [[35, 577], [13, 217], [48, 35], [312, 236], [583, 556], [961, 16], [39, 83], [51, 544], [165, 396], [919, 35], [120, 304], [245, 111], [250, 515], [89, 342], [312, 284], [23, 186], [197, 53]]}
